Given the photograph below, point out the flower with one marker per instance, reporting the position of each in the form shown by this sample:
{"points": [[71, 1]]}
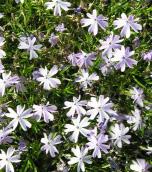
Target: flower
{"points": [[100, 106], [123, 57], [111, 43], [58, 5], [126, 23], [7, 81], [75, 107], [148, 56], [137, 95], [6, 159], [80, 158], [135, 119], [94, 21], [82, 59], [53, 39], [27, 43], [46, 78], [85, 60], [118, 133], [1, 68], [49, 144], [86, 79], [4, 136], [140, 165], [44, 110], [97, 142], [60, 28], [78, 127], [19, 117], [2, 42]]}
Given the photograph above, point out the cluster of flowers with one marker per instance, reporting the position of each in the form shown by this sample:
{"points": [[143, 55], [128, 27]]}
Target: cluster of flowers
{"points": [[99, 110]]}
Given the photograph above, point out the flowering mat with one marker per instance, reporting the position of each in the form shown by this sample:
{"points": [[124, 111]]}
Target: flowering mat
{"points": [[75, 86]]}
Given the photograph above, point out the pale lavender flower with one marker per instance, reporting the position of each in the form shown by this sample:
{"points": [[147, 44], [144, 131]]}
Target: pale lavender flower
{"points": [[46, 78], [27, 43], [50, 143], [126, 23], [118, 134], [135, 119], [75, 107], [122, 56], [79, 126], [106, 67], [97, 142], [1, 68], [57, 5], [7, 81], [137, 95], [84, 60], [148, 56], [140, 165], [80, 158], [2, 52], [86, 80], [111, 43], [19, 117], [73, 59], [60, 28], [20, 85], [46, 111], [6, 159], [53, 40], [93, 21], [101, 107], [4, 136]]}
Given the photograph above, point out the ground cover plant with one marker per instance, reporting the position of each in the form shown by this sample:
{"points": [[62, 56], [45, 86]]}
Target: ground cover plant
{"points": [[75, 85]]}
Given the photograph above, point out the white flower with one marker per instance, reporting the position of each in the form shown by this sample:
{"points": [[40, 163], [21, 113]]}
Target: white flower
{"points": [[79, 126], [111, 43], [2, 53], [137, 95], [123, 57], [93, 21], [100, 106], [44, 110], [6, 159], [97, 142], [58, 5], [19, 117], [80, 158], [140, 165], [136, 119], [127, 23], [27, 43], [86, 79], [75, 107], [49, 144], [7, 81], [118, 133], [46, 78]]}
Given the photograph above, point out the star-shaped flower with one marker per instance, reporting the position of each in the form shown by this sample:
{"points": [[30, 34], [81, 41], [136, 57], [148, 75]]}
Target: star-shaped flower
{"points": [[80, 158], [79, 126], [126, 23], [93, 21], [19, 117], [57, 5]]}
